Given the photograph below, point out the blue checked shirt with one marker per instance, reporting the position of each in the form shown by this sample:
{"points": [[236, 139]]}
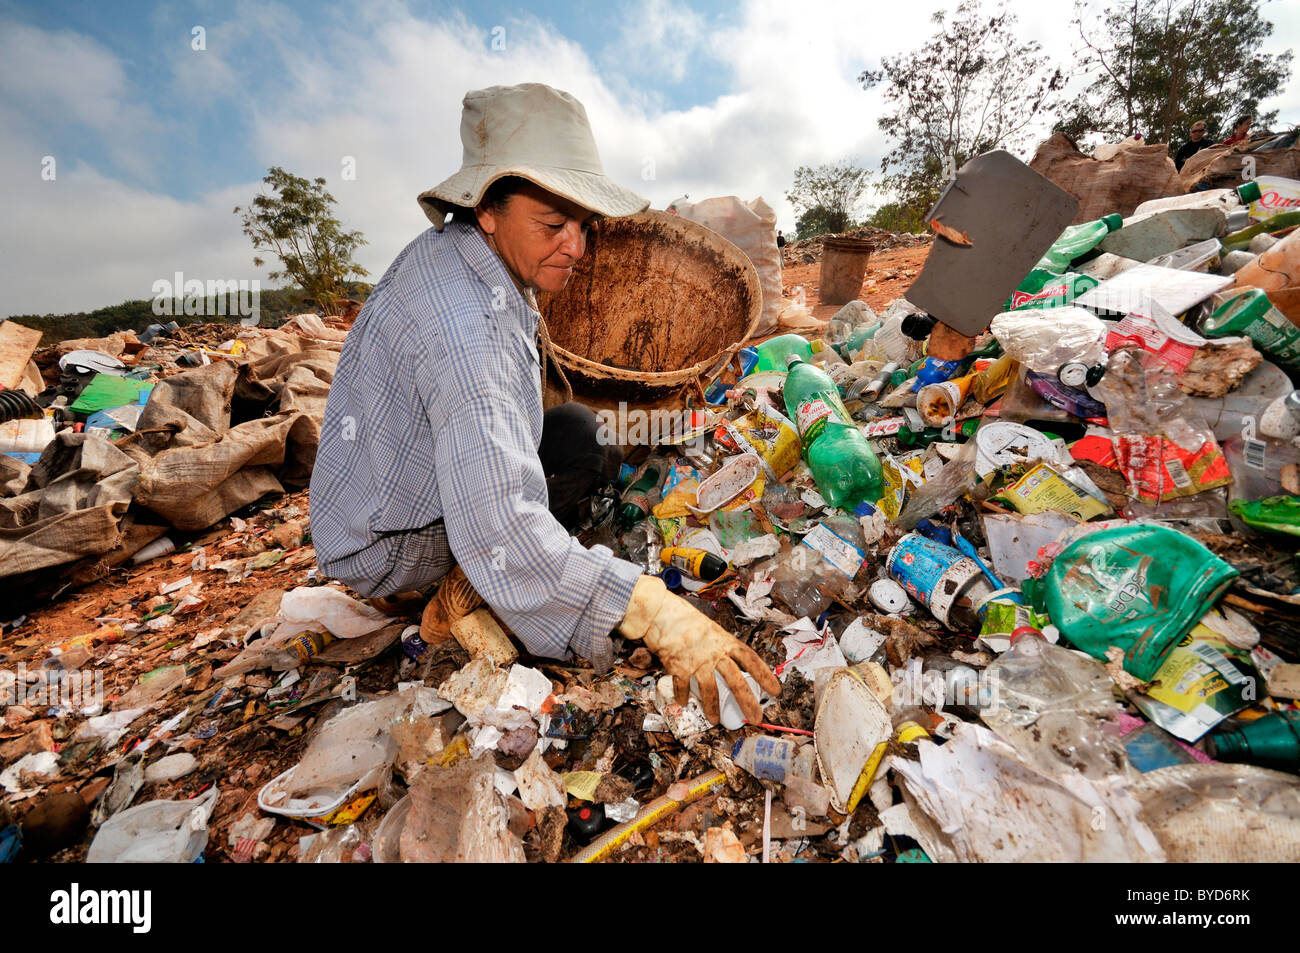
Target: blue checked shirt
{"points": [[429, 448]]}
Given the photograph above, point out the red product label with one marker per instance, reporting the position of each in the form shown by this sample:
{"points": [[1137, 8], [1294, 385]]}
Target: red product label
{"points": [[1155, 467]]}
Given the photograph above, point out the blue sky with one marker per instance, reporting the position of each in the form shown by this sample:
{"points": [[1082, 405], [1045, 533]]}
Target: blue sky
{"points": [[155, 142]]}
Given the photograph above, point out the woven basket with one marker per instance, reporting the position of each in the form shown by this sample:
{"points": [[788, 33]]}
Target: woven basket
{"points": [[656, 303]]}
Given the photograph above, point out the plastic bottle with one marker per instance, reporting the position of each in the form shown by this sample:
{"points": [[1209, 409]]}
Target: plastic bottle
{"points": [[1034, 677], [1075, 241], [297, 650], [765, 757], [1276, 195], [1244, 239], [923, 438], [934, 371], [1043, 289], [1226, 199], [842, 461], [1275, 269], [1273, 741], [697, 563], [636, 504], [774, 354]]}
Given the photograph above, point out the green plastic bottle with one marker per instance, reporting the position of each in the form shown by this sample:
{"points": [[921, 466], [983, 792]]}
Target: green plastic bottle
{"points": [[908, 437], [1043, 289], [842, 462], [1272, 741], [1075, 241], [636, 505], [773, 354]]}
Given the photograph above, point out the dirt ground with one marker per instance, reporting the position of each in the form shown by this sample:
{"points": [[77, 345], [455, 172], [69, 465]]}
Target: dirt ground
{"points": [[889, 274]]}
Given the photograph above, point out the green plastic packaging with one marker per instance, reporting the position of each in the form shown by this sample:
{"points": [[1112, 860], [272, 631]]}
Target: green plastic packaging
{"points": [[841, 460], [1140, 587], [1240, 240], [1277, 514], [1075, 241]]}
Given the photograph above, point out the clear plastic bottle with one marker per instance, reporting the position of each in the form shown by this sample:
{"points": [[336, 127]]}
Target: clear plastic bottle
{"points": [[1228, 200], [1052, 705]]}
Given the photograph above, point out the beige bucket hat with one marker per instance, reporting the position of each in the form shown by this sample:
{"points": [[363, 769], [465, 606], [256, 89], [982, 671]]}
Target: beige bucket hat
{"points": [[537, 133]]}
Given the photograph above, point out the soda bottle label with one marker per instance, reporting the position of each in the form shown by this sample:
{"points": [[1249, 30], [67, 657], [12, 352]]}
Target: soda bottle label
{"points": [[813, 413]]}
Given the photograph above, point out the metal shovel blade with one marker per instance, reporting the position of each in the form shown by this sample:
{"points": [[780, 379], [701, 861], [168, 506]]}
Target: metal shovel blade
{"points": [[1011, 215]]}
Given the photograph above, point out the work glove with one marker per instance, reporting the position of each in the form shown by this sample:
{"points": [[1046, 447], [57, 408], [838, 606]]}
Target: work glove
{"points": [[690, 643]]}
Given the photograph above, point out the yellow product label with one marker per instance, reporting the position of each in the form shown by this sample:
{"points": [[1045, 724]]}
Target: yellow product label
{"points": [[895, 484], [671, 530], [1189, 675], [1043, 489], [772, 437], [348, 812]]}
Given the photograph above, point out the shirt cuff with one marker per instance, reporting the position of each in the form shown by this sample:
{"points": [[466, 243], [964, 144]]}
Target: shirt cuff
{"points": [[606, 609]]}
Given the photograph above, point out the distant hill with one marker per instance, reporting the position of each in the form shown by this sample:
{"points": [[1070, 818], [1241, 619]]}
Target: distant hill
{"points": [[274, 306]]}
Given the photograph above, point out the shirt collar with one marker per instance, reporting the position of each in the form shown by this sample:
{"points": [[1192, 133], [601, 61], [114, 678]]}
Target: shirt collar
{"points": [[490, 269]]}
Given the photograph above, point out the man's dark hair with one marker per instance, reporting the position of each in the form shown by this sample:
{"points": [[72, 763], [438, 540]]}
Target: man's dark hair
{"points": [[1244, 117], [496, 197]]}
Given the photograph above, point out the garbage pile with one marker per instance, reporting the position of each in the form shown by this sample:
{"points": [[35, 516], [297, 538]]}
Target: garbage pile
{"points": [[809, 250], [107, 443], [1032, 595]]}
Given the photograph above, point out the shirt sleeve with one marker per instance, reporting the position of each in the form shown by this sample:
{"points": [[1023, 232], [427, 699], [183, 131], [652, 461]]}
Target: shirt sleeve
{"points": [[556, 595]]}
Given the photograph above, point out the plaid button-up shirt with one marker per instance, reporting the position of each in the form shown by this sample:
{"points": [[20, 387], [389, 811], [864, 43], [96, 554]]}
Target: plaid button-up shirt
{"points": [[429, 448]]}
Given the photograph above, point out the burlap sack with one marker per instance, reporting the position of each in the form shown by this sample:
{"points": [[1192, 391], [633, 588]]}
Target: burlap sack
{"points": [[1226, 167], [70, 506], [199, 466], [1132, 175]]}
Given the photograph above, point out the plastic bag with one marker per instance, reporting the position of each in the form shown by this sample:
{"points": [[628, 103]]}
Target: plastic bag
{"points": [[1044, 340], [158, 832], [1140, 587], [751, 227]]}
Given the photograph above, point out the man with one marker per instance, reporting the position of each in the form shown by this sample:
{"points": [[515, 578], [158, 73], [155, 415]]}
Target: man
{"points": [[1240, 129], [1199, 140], [780, 239], [430, 444]]}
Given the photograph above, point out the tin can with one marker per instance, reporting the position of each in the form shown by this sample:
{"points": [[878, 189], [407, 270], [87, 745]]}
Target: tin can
{"points": [[939, 577]]}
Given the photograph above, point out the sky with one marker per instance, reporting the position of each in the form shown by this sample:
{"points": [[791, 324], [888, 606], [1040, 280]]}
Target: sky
{"points": [[132, 130]]}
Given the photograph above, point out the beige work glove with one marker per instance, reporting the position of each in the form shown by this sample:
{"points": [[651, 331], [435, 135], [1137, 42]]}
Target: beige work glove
{"points": [[690, 643]]}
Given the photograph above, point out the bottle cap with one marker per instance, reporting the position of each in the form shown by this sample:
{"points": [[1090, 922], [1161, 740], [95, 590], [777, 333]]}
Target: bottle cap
{"points": [[1248, 192], [792, 360], [1024, 630], [1073, 373], [1113, 221]]}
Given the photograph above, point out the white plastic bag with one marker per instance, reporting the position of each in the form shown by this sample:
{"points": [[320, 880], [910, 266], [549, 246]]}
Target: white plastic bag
{"points": [[158, 832], [751, 227]]}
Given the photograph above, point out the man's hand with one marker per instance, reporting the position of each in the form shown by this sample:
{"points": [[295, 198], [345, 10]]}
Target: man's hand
{"points": [[690, 643]]}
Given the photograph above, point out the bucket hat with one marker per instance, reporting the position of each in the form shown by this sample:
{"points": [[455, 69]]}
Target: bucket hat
{"points": [[537, 133]]}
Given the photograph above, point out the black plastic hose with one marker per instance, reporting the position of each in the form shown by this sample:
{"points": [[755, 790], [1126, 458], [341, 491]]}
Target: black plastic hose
{"points": [[16, 405]]}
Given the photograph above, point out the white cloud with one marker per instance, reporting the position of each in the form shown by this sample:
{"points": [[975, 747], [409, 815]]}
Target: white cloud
{"points": [[384, 86]]}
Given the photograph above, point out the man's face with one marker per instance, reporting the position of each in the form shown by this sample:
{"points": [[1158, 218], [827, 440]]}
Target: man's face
{"points": [[538, 236], [1198, 132]]}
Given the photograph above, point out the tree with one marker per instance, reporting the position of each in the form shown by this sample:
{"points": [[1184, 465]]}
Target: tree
{"points": [[1158, 64], [294, 221], [974, 86], [826, 196]]}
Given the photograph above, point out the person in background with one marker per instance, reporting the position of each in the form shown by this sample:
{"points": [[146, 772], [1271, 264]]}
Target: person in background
{"points": [[1198, 141], [780, 239], [1240, 129]]}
